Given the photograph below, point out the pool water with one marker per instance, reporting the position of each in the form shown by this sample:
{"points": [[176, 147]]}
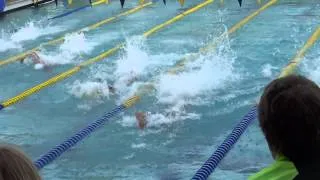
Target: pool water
{"points": [[211, 95]]}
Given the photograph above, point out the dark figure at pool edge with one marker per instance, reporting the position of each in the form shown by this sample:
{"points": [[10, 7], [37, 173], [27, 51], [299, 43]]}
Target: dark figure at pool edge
{"points": [[289, 116], [15, 165]]}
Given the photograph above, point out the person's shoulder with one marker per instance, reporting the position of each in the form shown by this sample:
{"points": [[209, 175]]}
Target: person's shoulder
{"points": [[281, 169]]}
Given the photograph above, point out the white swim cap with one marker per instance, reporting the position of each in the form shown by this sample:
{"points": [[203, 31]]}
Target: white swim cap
{"points": [[38, 66]]}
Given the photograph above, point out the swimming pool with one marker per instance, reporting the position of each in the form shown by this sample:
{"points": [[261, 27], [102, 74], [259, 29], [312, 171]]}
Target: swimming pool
{"points": [[217, 90]]}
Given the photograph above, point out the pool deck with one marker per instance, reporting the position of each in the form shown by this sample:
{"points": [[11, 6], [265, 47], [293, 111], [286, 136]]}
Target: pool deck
{"points": [[21, 4]]}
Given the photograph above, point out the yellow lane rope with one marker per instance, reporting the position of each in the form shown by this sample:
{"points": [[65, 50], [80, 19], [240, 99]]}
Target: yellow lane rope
{"points": [[212, 46], [291, 67], [62, 38], [100, 57]]}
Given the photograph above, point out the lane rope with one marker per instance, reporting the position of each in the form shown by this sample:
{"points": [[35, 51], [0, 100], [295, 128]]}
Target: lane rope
{"points": [[98, 58], [62, 38], [58, 150], [70, 12], [213, 45], [209, 166]]}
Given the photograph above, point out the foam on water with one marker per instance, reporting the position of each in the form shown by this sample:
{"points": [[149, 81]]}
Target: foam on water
{"points": [[91, 93], [206, 74], [267, 70], [311, 69], [131, 67], [32, 30], [77, 43], [48, 60], [135, 58], [128, 68], [138, 146], [69, 52], [7, 44], [89, 89], [162, 117]]}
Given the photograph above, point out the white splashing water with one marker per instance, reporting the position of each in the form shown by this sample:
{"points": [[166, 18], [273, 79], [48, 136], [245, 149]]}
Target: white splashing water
{"points": [[47, 60], [158, 119], [74, 45], [211, 73], [7, 44], [89, 89], [203, 75], [77, 43], [32, 31], [131, 66], [69, 52], [162, 118], [311, 68], [135, 58], [267, 70], [206, 74], [54, 59], [138, 146]]}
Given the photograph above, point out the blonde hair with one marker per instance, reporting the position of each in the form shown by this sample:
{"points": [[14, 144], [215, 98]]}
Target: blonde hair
{"points": [[15, 165]]}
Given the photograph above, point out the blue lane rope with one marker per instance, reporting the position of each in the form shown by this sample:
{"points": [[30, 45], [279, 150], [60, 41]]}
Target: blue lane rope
{"points": [[72, 141], [70, 12], [209, 166], [2, 5]]}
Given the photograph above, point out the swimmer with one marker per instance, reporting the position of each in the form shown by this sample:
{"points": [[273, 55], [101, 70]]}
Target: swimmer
{"points": [[142, 118], [128, 82], [34, 57], [36, 60], [128, 79], [132, 78], [14, 31], [110, 88]]}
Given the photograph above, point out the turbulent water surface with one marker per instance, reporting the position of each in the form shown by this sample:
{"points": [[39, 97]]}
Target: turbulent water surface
{"points": [[189, 113]]}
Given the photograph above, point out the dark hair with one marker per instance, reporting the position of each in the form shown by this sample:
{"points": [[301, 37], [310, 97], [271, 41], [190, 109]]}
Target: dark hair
{"points": [[15, 165], [289, 116]]}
